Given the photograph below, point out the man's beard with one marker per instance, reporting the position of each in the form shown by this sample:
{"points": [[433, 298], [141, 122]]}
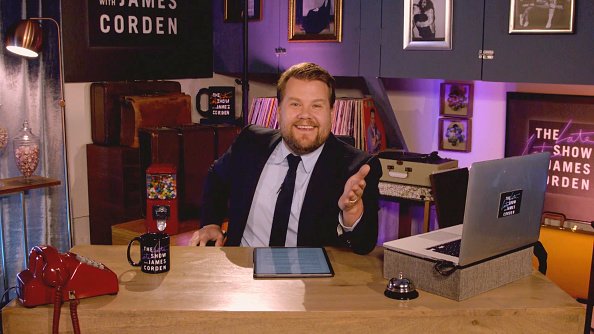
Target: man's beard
{"points": [[300, 147]]}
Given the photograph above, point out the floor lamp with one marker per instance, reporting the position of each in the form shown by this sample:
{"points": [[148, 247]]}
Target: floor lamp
{"points": [[25, 39]]}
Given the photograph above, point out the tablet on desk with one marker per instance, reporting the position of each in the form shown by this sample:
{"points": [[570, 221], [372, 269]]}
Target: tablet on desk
{"points": [[279, 262]]}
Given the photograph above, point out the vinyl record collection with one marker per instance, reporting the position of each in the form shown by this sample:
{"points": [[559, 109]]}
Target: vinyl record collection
{"points": [[351, 116]]}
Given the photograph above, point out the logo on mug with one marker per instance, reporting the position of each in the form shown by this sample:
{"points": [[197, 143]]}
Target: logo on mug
{"points": [[154, 253]]}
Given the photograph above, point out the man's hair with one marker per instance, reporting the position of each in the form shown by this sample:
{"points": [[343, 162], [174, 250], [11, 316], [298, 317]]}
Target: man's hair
{"points": [[308, 72]]}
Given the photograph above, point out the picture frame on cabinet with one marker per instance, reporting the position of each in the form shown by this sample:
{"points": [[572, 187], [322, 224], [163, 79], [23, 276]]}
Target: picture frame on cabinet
{"points": [[455, 134], [456, 99], [427, 25], [541, 16], [315, 20], [234, 10]]}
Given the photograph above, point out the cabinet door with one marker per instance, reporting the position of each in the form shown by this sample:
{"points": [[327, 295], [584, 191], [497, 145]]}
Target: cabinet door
{"points": [[271, 33], [547, 58], [340, 59], [263, 39], [264, 36], [459, 63]]}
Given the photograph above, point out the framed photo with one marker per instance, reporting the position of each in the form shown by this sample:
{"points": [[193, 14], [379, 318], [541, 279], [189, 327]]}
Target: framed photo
{"points": [[541, 16], [455, 134], [427, 25], [455, 99], [315, 20], [234, 10]]}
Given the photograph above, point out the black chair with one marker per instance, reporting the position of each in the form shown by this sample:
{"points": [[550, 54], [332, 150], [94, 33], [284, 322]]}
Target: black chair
{"points": [[347, 139]]}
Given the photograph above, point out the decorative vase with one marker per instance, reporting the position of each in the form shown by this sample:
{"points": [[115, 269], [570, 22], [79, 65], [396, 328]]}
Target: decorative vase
{"points": [[26, 150]]}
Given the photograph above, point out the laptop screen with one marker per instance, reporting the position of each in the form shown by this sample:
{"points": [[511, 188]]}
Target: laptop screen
{"points": [[503, 205]]}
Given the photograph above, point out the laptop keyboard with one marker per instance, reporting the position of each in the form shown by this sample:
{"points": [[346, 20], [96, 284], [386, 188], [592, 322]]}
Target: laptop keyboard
{"points": [[451, 248]]}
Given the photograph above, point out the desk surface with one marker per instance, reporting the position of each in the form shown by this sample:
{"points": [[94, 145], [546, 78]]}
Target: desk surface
{"points": [[121, 234], [212, 290]]}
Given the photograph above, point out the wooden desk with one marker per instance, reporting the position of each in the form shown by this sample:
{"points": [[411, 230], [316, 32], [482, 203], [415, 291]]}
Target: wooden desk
{"points": [[121, 234], [211, 290]]}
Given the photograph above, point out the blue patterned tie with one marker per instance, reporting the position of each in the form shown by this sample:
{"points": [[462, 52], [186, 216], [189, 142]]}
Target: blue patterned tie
{"points": [[282, 210]]}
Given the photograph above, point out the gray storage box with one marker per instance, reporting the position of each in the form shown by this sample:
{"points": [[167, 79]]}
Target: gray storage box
{"points": [[463, 283]]}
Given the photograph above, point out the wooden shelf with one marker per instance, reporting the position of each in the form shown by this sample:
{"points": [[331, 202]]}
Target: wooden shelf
{"points": [[20, 184]]}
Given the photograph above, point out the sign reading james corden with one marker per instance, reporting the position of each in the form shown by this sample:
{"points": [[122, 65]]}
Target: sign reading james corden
{"points": [[136, 39], [135, 22]]}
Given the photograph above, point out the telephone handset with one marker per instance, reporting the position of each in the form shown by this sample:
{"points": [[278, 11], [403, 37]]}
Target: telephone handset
{"points": [[54, 273], [74, 276]]}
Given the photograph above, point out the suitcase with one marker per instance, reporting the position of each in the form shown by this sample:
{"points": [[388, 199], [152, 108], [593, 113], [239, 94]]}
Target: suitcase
{"points": [[148, 111], [198, 146], [106, 101], [412, 168], [225, 136], [115, 191]]}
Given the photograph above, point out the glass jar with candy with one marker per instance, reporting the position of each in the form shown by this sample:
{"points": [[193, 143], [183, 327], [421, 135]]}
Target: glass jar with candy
{"points": [[26, 150]]}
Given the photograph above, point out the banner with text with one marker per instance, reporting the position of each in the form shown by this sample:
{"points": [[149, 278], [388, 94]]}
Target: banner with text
{"points": [[564, 126]]}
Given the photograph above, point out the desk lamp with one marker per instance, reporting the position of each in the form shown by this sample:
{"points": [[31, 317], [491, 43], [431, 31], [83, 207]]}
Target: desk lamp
{"points": [[25, 39]]}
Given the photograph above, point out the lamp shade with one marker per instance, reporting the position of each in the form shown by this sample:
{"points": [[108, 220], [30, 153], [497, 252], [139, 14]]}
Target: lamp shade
{"points": [[24, 38]]}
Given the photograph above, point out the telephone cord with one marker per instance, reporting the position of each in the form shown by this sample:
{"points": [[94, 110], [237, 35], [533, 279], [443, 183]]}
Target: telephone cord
{"points": [[74, 315], [57, 309]]}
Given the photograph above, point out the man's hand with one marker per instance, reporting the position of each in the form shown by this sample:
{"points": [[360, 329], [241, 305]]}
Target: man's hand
{"points": [[350, 202], [206, 234]]}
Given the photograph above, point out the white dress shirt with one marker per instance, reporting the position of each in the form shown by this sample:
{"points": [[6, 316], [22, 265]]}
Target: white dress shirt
{"points": [[259, 221]]}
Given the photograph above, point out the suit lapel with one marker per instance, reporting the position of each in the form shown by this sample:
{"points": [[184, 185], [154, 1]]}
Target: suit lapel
{"points": [[321, 189], [252, 173]]}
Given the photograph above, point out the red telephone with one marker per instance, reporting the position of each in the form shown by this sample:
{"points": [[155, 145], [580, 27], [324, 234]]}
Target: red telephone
{"points": [[73, 275]]}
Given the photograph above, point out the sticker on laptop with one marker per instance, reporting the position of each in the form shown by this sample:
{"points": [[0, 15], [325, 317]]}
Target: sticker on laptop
{"points": [[509, 203]]}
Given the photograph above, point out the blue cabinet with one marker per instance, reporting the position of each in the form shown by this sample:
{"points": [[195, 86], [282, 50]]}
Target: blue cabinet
{"points": [[372, 45], [270, 50], [546, 58], [459, 63]]}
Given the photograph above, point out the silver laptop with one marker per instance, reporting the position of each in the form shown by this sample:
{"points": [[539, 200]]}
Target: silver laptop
{"points": [[504, 202]]}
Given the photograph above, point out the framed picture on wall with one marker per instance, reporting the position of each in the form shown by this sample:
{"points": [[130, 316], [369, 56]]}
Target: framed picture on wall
{"points": [[315, 20], [455, 99], [541, 16], [455, 134], [427, 25], [234, 10]]}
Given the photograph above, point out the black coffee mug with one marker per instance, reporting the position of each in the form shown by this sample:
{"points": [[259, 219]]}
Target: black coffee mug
{"points": [[154, 253], [221, 103]]}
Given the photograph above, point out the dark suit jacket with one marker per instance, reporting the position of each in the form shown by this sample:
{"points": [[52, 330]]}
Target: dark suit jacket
{"points": [[232, 179]]}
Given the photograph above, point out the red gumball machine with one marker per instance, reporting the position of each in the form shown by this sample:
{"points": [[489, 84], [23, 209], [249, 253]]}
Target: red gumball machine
{"points": [[161, 199]]}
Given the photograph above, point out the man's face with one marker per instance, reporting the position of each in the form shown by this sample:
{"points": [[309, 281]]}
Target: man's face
{"points": [[305, 116]]}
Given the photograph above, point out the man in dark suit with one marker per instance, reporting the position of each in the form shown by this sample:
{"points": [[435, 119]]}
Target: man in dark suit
{"points": [[335, 197]]}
